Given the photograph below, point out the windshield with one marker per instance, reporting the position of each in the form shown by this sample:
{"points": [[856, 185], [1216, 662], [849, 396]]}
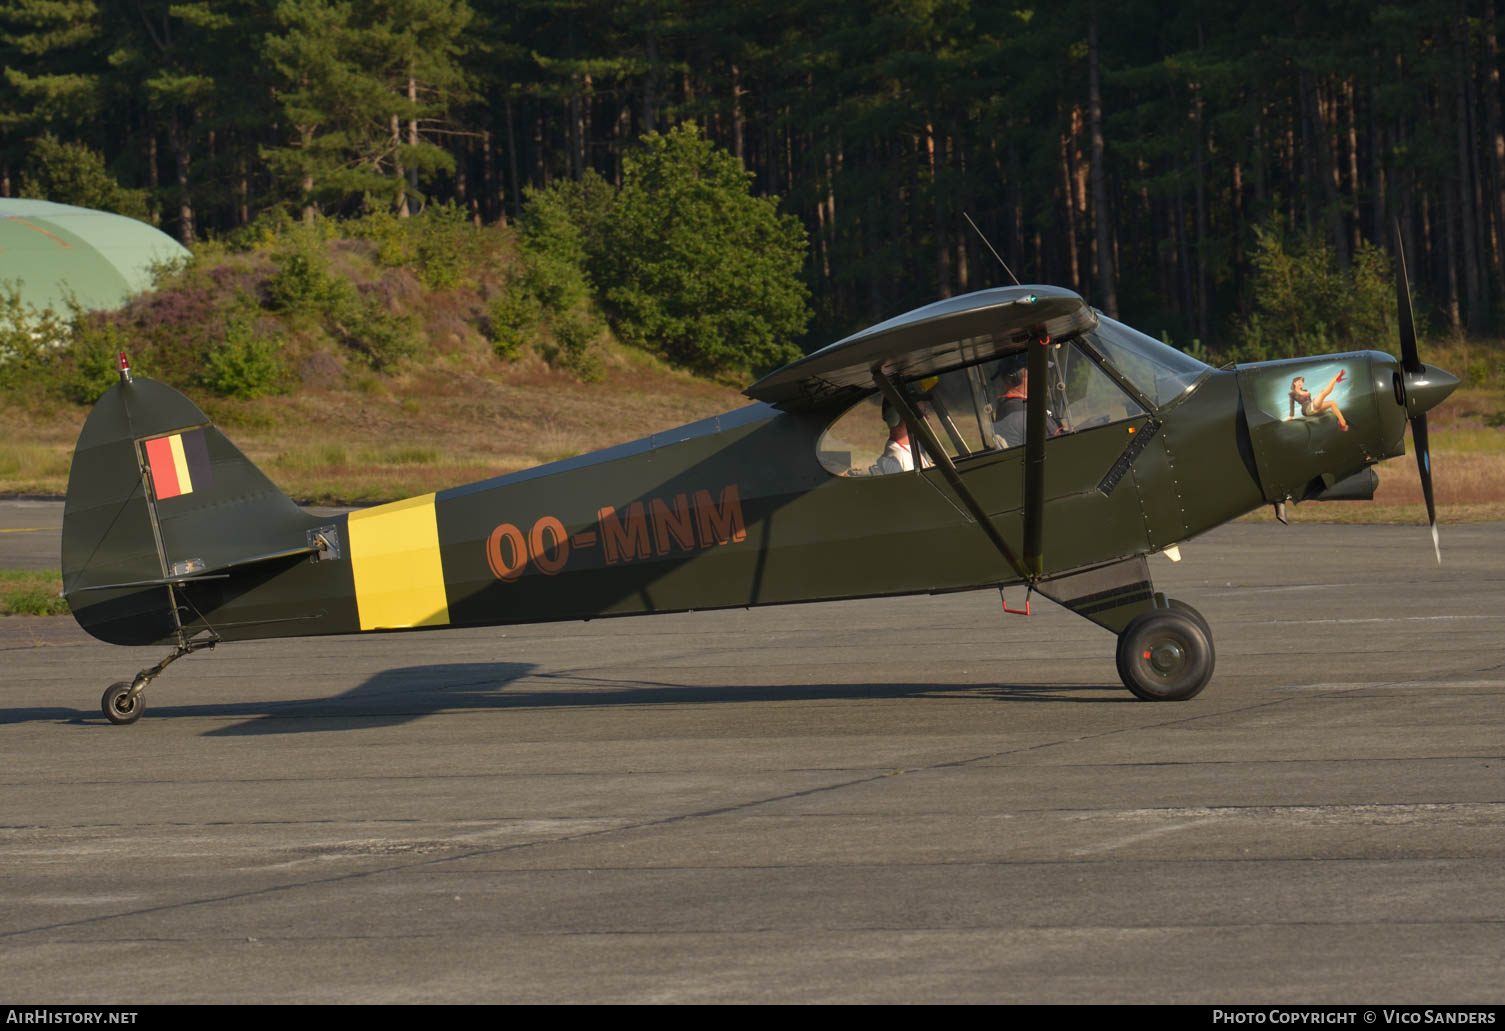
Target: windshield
{"points": [[1160, 371]]}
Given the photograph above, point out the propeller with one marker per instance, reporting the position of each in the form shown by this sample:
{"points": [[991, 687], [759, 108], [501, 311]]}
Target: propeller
{"points": [[1424, 386]]}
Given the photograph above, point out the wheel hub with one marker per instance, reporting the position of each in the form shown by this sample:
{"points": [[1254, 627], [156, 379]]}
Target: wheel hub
{"points": [[1166, 657]]}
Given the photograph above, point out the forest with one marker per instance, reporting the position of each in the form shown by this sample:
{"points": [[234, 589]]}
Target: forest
{"points": [[1155, 156]]}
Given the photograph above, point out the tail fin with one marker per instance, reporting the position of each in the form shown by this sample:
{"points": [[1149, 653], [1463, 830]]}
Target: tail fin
{"points": [[155, 493]]}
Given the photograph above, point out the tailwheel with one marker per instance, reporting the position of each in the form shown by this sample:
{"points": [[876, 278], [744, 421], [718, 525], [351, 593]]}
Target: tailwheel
{"points": [[119, 707], [1166, 655], [122, 701]]}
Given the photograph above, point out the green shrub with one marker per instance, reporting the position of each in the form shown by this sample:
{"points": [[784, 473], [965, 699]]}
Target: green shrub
{"points": [[91, 364], [446, 244], [163, 271], [388, 232], [551, 298], [268, 231], [512, 320], [303, 282], [573, 350], [382, 338], [561, 226], [244, 364], [28, 335], [441, 242], [694, 266]]}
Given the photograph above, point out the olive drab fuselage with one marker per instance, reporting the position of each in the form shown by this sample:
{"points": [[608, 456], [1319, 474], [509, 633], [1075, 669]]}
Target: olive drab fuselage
{"points": [[732, 511]]}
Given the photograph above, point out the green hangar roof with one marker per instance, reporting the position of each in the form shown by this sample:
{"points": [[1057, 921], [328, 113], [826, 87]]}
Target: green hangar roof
{"points": [[56, 251]]}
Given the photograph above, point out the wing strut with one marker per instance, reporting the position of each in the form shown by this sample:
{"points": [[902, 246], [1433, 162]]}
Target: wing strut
{"points": [[918, 425], [1034, 453]]}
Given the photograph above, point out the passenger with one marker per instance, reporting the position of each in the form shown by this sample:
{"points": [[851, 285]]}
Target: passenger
{"points": [[897, 456], [1301, 396], [1012, 414]]}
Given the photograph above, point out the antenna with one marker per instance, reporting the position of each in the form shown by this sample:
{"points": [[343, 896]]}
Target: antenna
{"points": [[990, 247]]}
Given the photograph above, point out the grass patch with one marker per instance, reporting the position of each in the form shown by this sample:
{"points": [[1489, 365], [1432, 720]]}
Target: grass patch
{"points": [[400, 456], [33, 461], [30, 592], [34, 468], [316, 456], [1483, 440]]}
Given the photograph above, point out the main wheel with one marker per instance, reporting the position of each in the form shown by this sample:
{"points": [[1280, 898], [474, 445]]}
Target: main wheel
{"points": [[120, 708], [1181, 606], [1165, 655]]}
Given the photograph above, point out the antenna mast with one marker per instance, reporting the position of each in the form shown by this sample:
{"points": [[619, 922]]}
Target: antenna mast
{"points": [[990, 247]]}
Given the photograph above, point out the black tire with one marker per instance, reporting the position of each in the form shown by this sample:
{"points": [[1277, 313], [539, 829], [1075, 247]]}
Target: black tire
{"points": [[1181, 606], [119, 707], [1165, 655]]}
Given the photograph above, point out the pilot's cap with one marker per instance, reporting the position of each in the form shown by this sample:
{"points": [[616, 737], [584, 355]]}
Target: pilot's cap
{"points": [[1011, 365]]}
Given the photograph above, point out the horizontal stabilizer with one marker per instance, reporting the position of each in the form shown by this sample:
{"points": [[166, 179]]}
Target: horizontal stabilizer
{"points": [[197, 575]]}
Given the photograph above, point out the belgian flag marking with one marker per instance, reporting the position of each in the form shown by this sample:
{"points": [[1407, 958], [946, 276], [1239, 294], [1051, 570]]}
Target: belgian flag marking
{"points": [[179, 464]]}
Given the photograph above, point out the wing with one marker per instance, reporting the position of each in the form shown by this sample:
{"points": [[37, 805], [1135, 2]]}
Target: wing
{"points": [[934, 338]]}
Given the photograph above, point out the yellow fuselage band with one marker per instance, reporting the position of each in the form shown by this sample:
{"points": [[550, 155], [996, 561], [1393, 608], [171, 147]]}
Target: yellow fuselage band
{"points": [[394, 556]]}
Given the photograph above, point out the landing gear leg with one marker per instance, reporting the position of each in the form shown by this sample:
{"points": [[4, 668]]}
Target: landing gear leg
{"points": [[1165, 651], [123, 702], [1166, 654]]}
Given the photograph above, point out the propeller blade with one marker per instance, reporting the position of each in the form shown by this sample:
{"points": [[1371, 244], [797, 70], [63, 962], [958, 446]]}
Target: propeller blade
{"points": [[1410, 360], [1424, 467], [1424, 387]]}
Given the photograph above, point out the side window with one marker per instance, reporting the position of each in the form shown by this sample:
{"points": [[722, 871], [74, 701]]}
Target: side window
{"points": [[867, 439]]}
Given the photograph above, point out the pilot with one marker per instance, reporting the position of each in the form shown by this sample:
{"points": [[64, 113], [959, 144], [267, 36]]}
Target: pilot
{"points": [[897, 456], [1011, 417]]}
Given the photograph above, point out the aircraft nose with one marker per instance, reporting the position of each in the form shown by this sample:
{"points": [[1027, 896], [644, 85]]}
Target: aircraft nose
{"points": [[1428, 388]]}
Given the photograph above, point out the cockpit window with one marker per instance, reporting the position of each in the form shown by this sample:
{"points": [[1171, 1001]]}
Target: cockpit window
{"points": [[868, 439], [1160, 371], [974, 410]]}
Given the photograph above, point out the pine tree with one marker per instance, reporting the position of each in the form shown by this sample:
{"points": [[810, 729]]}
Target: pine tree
{"points": [[365, 88], [54, 64]]}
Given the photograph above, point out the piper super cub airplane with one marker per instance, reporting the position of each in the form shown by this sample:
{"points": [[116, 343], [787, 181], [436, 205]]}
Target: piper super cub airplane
{"points": [[1011, 436]]}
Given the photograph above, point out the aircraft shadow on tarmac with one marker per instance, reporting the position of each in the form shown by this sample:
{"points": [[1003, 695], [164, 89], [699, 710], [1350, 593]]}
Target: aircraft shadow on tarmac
{"points": [[408, 693]]}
